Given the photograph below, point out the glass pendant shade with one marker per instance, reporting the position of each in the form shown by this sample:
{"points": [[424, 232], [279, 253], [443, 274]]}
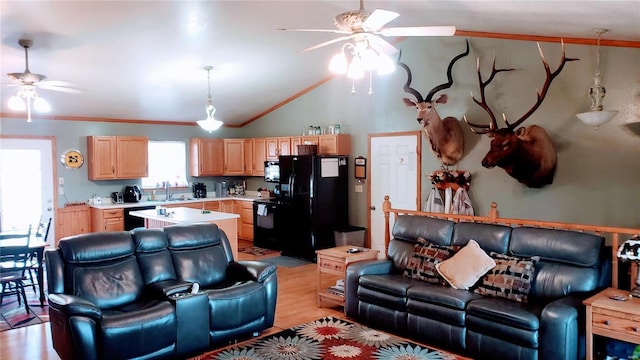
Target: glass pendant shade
{"points": [[597, 116], [209, 124], [16, 103], [41, 105], [365, 56], [338, 63]]}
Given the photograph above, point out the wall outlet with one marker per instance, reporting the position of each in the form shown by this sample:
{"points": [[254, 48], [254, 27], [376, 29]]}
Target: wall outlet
{"points": [[61, 181], [60, 190]]}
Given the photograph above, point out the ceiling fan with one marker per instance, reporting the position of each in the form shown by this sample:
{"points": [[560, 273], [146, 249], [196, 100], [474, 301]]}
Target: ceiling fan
{"points": [[29, 80], [362, 25]]}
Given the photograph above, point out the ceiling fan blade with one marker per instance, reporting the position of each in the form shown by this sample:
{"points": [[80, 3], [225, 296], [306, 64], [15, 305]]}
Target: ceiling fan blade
{"points": [[326, 43], [63, 86], [419, 31], [387, 48], [318, 30], [378, 19]]}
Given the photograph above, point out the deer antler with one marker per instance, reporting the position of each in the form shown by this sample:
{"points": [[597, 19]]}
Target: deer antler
{"points": [[449, 82], [407, 88], [493, 125], [545, 87]]}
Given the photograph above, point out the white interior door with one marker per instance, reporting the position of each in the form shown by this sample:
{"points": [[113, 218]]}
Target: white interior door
{"points": [[395, 171], [26, 184]]}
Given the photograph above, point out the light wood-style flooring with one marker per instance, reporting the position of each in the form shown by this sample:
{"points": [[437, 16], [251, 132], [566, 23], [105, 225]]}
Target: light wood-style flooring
{"points": [[296, 305]]}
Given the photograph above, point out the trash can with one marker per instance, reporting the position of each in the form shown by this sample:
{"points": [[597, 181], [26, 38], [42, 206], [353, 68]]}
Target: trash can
{"points": [[350, 235]]}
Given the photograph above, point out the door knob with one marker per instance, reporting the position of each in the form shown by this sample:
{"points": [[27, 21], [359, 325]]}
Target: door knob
{"points": [[372, 207]]}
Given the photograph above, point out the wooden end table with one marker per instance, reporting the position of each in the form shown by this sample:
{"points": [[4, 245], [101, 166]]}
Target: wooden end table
{"points": [[334, 261], [611, 318]]}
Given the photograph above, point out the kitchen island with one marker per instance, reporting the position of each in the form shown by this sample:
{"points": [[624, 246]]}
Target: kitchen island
{"points": [[184, 215]]}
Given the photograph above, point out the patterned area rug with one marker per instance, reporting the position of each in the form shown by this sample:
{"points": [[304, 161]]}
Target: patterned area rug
{"points": [[13, 315], [258, 251], [328, 338]]}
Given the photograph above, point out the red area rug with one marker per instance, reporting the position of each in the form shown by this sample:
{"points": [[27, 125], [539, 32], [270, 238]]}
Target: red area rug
{"points": [[328, 338]]}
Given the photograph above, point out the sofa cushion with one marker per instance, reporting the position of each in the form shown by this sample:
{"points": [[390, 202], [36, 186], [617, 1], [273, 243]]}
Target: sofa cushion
{"points": [[464, 268], [423, 260], [569, 247], [504, 319], [511, 277], [437, 231], [490, 237], [384, 290]]}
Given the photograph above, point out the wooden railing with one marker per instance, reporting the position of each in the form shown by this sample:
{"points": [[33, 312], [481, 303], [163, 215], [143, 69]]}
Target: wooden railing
{"points": [[616, 233]]}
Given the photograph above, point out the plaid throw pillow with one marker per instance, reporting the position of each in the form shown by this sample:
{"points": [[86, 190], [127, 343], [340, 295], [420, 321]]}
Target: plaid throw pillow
{"points": [[423, 260], [510, 278]]}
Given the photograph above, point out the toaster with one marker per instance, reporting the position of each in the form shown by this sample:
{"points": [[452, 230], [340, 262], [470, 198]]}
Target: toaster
{"points": [[117, 197]]}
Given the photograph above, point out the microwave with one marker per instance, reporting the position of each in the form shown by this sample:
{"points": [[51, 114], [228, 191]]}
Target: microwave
{"points": [[271, 171]]}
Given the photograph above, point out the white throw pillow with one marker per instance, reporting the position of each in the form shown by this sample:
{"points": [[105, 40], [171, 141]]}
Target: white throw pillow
{"points": [[466, 267]]}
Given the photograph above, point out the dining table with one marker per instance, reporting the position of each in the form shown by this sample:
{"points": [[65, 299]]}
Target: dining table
{"points": [[10, 240]]}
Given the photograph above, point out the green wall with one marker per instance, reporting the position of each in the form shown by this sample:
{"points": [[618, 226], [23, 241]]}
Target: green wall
{"points": [[598, 175]]}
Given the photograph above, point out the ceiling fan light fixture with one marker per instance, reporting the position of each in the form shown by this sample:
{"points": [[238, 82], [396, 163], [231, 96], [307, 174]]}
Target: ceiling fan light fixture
{"points": [[16, 103], [385, 65], [41, 105], [338, 63], [210, 123], [356, 69]]}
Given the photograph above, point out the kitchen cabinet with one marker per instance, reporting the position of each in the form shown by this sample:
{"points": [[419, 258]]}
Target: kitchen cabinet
{"points": [[329, 144], [212, 205], [259, 156], [272, 149], [207, 157], [192, 205], [117, 157], [107, 220], [226, 206], [72, 220], [284, 146], [295, 141], [245, 224], [248, 157], [234, 159]]}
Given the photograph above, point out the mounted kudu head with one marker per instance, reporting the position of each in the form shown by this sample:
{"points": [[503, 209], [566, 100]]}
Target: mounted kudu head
{"points": [[445, 136], [526, 154]]}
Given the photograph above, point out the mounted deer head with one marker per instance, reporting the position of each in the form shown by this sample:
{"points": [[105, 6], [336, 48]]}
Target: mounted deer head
{"points": [[445, 136], [526, 154]]}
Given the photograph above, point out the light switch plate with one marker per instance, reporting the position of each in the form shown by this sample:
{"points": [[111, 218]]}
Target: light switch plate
{"points": [[359, 188]]}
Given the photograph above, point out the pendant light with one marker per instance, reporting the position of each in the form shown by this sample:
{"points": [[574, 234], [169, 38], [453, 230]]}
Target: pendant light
{"points": [[210, 124], [597, 116]]}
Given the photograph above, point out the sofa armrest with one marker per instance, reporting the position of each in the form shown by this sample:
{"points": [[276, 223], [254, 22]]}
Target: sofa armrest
{"points": [[354, 271], [166, 288], [251, 270], [562, 325], [72, 305]]}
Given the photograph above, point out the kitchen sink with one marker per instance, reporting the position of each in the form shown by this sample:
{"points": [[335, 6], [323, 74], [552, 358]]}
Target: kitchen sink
{"points": [[176, 199]]}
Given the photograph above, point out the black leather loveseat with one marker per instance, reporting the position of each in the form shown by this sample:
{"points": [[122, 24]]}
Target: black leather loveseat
{"points": [[547, 323], [124, 295]]}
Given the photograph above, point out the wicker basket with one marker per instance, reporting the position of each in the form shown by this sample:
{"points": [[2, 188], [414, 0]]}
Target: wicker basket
{"points": [[307, 149]]}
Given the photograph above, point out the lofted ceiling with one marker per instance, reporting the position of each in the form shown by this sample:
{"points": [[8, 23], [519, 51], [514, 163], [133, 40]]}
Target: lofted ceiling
{"points": [[143, 60]]}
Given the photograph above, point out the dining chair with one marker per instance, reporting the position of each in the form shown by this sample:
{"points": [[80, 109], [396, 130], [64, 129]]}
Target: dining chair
{"points": [[12, 272]]}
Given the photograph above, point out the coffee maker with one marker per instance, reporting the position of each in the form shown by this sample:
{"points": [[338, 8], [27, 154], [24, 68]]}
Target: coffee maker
{"points": [[199, 190]]}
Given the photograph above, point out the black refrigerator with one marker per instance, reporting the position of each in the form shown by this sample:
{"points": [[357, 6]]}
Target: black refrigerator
{"points": [[314, 202]]}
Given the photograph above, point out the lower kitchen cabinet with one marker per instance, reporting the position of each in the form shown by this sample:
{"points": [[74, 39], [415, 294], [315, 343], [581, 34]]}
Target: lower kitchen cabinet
{"points": [[245, 223], [72, 220], [107, 220]]}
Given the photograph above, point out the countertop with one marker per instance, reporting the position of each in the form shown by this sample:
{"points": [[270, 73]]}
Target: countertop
{"points": [[183, 215], [110, 205]]}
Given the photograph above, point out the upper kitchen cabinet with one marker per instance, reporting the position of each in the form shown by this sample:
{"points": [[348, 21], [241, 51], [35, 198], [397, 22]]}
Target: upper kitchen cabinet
{"points": [[234, 159], [248, 156], [207, 157], [277, 146], [117, 157], [259, 156], [330, 144]]}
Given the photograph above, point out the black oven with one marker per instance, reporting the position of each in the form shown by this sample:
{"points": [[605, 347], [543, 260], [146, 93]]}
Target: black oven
{"points": [[265, 224], [271, 171]]}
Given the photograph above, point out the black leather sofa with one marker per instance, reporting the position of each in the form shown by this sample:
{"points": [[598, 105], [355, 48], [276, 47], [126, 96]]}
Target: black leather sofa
{"points": [[125, 295], [549, 326]]}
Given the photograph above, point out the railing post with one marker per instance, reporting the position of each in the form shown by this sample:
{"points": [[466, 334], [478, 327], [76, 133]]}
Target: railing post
{"points": [[386, 206], [493, 212]]}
